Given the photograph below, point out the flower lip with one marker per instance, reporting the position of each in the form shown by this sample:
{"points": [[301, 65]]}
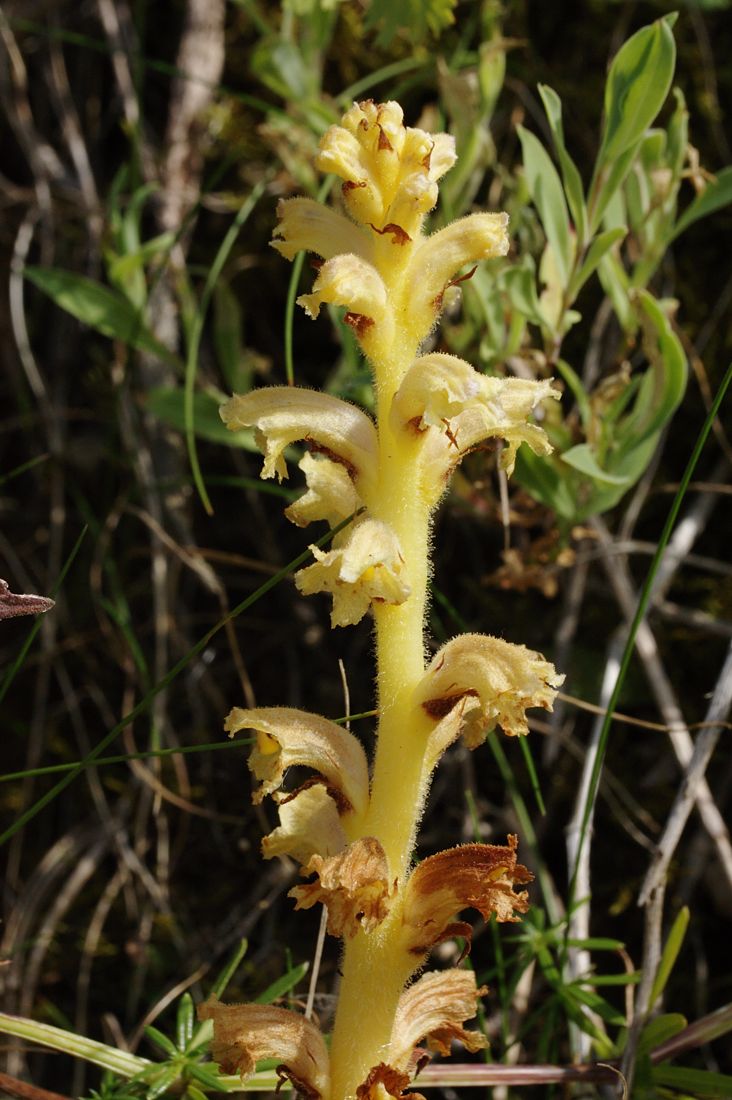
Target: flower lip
{"points": [[471, 876], [246, 1033], [504, 678], [281, 415], [354, 886], [287, 736], [434, 1009], [365, 565]]}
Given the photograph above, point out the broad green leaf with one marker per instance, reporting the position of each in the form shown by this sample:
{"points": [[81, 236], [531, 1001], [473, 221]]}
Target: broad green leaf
{"points": [[280, 65], [602, 244], [227, 326], [582, 458], [548, 197], [579, 392], [664, 383], [700, 1083], [99, 307], [616, 285], [520, 283], [658, 1030], [283, 985], [543, 480], [637, 85], [122, 268], [169, 406], [716, 194], [677, 140], [570, 173], [606, 185], [670, 954], [413, 19]]}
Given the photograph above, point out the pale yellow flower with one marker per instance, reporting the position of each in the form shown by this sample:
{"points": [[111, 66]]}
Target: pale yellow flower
{"points": [[310, 824], [308, 226], [287, 737], [281, 415], [506, 680], [331, 494], [456, 408], [365, 565], [390, 171]]}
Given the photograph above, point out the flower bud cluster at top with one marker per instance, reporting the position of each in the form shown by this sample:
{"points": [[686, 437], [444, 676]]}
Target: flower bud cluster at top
{"points": [[352, 827]]}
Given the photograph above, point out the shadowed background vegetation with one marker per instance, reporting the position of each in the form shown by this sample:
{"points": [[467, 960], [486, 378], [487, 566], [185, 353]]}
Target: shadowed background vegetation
{"points": [[145, 147]]}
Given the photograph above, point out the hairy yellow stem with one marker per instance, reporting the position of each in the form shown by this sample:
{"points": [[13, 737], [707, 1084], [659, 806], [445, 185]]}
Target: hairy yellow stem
{"points": [[376, 966]]}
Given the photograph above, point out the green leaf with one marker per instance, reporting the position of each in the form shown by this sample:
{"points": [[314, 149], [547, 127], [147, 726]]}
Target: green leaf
{"points": [[520, 283], [169, 406], [283, 985], [227, 326], [659, 1030], [664, 383], [548, 197], [122, 269], [417, 19], [579, 392], [670, 954], [601, 245], [570, 173], [615, 283], [160, 1040], [582, 458], [637, 85], [700, 1083], [99, 307], [542, 479], [716, 194], [184, 1022]]}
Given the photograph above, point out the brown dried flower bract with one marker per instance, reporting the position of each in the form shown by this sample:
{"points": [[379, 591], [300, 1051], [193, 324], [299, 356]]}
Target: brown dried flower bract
{"points": [[244, 1034], [354, 887], [472, 876], [434, 1010]]}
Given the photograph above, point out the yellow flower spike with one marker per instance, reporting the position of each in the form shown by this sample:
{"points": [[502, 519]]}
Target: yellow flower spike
{"points": [[366, 566], [464, 407], [434, 1009], [354, 886], [281, 415], [308, 226], [507, 679], [471, 876], [286, 736], [330, 496], [390, 171], [245, 1034], [309, 825]]}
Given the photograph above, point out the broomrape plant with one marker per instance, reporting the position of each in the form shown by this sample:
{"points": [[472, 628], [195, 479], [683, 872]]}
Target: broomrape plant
{"points": [[353, 832]]}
